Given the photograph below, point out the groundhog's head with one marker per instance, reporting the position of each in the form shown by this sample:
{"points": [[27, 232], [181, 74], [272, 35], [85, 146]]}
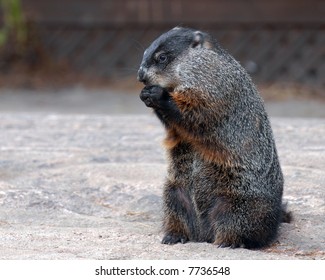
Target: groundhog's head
{"points": [[161, 63]]}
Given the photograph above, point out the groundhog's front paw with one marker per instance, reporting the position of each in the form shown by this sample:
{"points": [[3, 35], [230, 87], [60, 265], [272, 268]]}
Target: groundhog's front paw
{"points": [[173, 238], [154, 96]]}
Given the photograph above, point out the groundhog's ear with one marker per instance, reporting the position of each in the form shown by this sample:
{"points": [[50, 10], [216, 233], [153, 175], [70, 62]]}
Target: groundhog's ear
{"points": [[201, 40], [198, 39]]}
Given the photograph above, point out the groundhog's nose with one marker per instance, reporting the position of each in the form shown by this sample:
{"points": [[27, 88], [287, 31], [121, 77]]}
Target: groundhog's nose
{"points": [[142, 75]]}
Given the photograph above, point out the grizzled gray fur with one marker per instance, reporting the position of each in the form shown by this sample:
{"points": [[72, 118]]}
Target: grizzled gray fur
{"points": [[224, 182]]}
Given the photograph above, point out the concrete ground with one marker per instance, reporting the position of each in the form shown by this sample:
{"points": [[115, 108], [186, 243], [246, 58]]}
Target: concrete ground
{"points": [[76, 186], [81, 174]]}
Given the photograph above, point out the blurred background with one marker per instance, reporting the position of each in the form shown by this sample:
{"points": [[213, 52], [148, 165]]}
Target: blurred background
{"points": [[81, 56]]}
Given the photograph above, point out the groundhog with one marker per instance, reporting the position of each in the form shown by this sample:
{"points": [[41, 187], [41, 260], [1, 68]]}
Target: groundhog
{"points": [[224, 182]]}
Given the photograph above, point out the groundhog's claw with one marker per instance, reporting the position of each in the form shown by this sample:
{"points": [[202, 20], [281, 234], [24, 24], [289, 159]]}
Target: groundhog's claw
{"points": [[229, 245], [171, 239]]}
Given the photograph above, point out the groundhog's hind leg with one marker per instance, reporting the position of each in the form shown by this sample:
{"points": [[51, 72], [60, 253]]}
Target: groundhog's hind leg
{"points": [[251, 227], [179, 216]]}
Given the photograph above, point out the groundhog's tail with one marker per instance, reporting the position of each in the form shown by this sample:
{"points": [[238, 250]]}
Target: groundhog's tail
{"points": [[286, 215]]}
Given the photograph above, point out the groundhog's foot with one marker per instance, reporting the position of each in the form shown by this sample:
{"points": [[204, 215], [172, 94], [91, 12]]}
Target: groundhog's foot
{"points": [[228, 245], [154, 96], [174, 238]]}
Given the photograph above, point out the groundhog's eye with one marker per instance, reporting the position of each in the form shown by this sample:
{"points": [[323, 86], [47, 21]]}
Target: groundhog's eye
{"points": [[162, 58]]}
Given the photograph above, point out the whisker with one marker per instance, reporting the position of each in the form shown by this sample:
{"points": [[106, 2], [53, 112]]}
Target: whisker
{"points": [[138, 46]]}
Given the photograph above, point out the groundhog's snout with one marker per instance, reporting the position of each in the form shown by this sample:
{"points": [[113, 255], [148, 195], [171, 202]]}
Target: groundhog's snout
{"points": [[142, 75]]}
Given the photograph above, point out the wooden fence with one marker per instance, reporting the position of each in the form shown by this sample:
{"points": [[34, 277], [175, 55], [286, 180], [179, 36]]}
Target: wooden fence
{"points": [[277, 41]]}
